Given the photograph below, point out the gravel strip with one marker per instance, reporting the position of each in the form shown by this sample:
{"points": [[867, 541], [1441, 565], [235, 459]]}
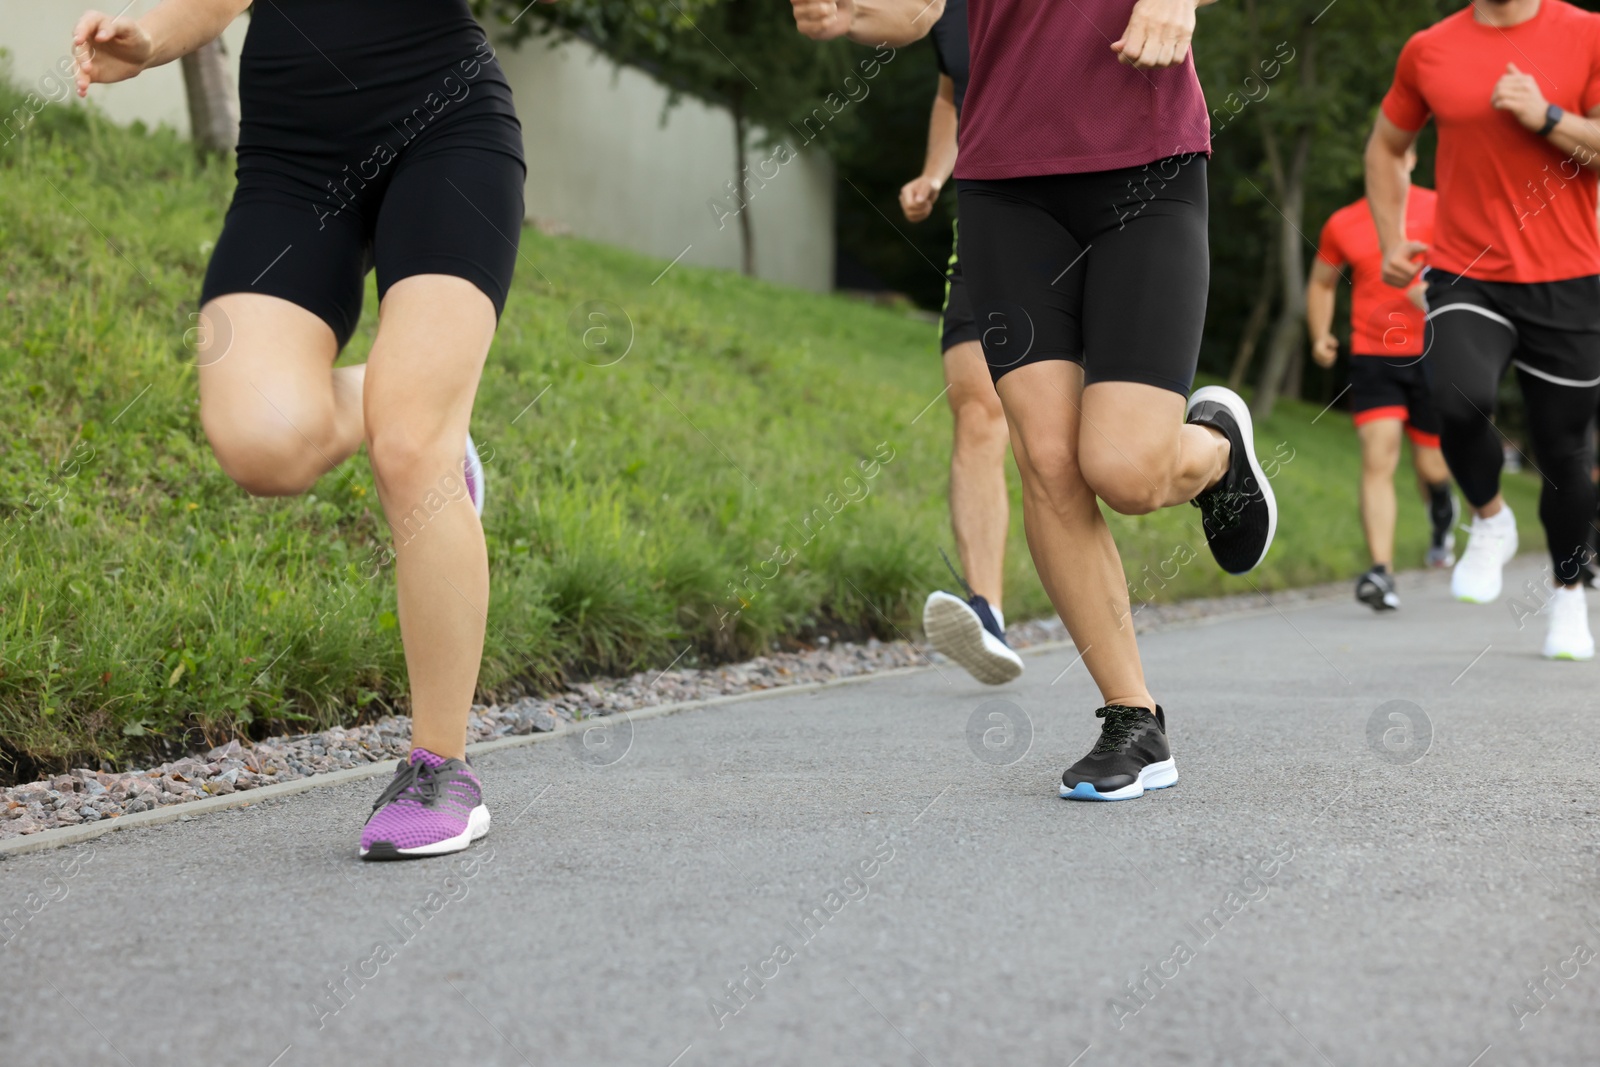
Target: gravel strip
{"points": [[87, 796]]}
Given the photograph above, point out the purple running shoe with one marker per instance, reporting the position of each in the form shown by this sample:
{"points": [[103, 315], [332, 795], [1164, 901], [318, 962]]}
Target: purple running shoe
{"points": [[434, 806], [472, 470]]}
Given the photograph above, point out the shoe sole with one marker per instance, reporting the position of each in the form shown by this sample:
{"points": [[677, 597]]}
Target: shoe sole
{"points": [[477, 827], [1151, 776], [954, 629], [1374, 600], [1241, 414], [1571, 657]]}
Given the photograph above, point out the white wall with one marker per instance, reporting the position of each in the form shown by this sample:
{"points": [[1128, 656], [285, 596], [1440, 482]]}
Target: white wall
{"points": [[600, 161], [38, 36]]}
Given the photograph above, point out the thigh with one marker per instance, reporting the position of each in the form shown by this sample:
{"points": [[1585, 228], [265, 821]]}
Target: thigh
{"points": [[263, 361], [1148, 273], [1043, 402], [957, 326], [1021, 268], [434, 332], [452, 208], [1467, 346]]}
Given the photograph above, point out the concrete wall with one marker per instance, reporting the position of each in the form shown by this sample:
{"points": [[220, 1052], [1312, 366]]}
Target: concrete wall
{"points": [[601, 161]]}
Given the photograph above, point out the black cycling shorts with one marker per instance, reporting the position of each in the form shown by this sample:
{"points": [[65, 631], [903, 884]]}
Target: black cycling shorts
{"points": [[439, 209], [1109, 269], [957, 326], [1394, 387]]}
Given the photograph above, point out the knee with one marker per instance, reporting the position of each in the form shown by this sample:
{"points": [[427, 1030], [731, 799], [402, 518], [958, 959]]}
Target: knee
{"points": [[408, 464], [267, 456], [1122, 482], [977, 411], [1051, 478]]}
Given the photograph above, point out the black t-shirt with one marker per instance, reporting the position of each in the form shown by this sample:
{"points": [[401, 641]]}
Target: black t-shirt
{"points": [[950, 46]]}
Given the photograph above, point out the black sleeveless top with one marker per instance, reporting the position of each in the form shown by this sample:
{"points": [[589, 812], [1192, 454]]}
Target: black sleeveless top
{"points": [[321, 79]]}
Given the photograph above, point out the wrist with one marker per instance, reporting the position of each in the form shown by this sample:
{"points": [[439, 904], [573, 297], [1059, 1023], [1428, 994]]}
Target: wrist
{"points": [[1552, 118]]}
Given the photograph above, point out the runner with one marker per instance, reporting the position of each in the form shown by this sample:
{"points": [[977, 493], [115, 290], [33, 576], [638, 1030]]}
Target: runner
{"points": [[969, 630], [373, 133], [1082, 180], [1514, 276], [1388, 382]]}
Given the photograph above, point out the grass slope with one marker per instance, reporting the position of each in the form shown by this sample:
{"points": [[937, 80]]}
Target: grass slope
{"points": [[146, 603]]}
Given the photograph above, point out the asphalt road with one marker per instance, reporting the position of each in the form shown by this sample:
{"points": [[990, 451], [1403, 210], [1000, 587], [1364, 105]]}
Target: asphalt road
{"points": [[887, 869]]}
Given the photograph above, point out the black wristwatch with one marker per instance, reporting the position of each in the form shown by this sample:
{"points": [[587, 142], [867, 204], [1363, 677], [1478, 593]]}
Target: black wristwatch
{"points": [[1551, 118]]}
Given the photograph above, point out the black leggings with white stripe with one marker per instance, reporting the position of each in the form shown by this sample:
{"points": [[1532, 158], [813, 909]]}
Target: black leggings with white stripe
{"points": [[1550, 332]]}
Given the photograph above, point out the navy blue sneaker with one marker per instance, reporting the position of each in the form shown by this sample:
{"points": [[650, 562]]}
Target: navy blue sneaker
{"points": [[1131, 756], [968, 632]]}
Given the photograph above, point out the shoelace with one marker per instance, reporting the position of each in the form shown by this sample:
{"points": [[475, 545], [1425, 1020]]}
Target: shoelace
{"points": [[416, 780], [1484, 541], [1121, 722]]}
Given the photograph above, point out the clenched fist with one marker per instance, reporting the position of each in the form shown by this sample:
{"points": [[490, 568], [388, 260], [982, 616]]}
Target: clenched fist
{"points": [[824, 20]]}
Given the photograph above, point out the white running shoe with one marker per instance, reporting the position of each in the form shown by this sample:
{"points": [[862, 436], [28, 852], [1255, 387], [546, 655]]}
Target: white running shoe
{"points": [[1491, 543], [1568, 636], [969, 633], [472, 470]]}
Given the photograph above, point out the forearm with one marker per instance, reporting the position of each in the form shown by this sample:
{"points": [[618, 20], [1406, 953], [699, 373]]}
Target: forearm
{"points": [[1579, 139], [1387, 185], [178, 27], [940, 162], [1319, 309], [894, 22]]}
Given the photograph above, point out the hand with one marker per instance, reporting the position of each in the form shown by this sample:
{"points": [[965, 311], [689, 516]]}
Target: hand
{"points": [[1325, 350], [1158, 34], [824, 20], [108, 49], [1519, 94], [1400, 264], [917, 197]]}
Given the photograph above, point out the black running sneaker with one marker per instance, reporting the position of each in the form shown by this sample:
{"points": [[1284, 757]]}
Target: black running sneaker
{"points": [[1239, 513], [1131, 756], [1376, 589]]}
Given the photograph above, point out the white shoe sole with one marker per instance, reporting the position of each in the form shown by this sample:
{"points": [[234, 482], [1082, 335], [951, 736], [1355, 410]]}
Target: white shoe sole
{"points": [[477, 827], [1568, 654], [954, 629], [1152, 776], [1241, 414]]}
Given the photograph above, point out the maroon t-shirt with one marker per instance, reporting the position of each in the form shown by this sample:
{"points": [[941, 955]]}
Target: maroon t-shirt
{"points": [[1047, 94]]}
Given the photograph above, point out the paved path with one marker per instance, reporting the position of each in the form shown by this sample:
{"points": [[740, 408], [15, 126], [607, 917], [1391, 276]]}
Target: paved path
{"points": [[885, 896]]}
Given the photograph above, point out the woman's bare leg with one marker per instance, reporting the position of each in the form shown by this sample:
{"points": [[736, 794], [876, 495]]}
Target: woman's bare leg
{"points": [[433, 335]]}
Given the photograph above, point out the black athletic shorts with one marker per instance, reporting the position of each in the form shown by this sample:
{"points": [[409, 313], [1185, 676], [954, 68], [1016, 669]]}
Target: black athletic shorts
{"points": [[1550, 330], [956, 324], [1109, 269], [390, 143], [1394, 387]]}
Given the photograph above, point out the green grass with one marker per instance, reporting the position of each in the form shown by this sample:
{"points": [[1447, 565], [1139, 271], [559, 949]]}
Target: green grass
{"points": [[147, 604]]}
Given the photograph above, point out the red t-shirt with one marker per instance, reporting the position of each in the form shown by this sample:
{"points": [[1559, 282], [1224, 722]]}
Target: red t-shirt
{"points": [[1515, 209], [1383, 320], [1047, 95]]}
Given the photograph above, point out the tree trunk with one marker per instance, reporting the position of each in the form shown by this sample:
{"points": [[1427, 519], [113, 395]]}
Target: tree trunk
{"points": [[741, 182], [1286, 346], [1256, 324], [213, 100]]}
